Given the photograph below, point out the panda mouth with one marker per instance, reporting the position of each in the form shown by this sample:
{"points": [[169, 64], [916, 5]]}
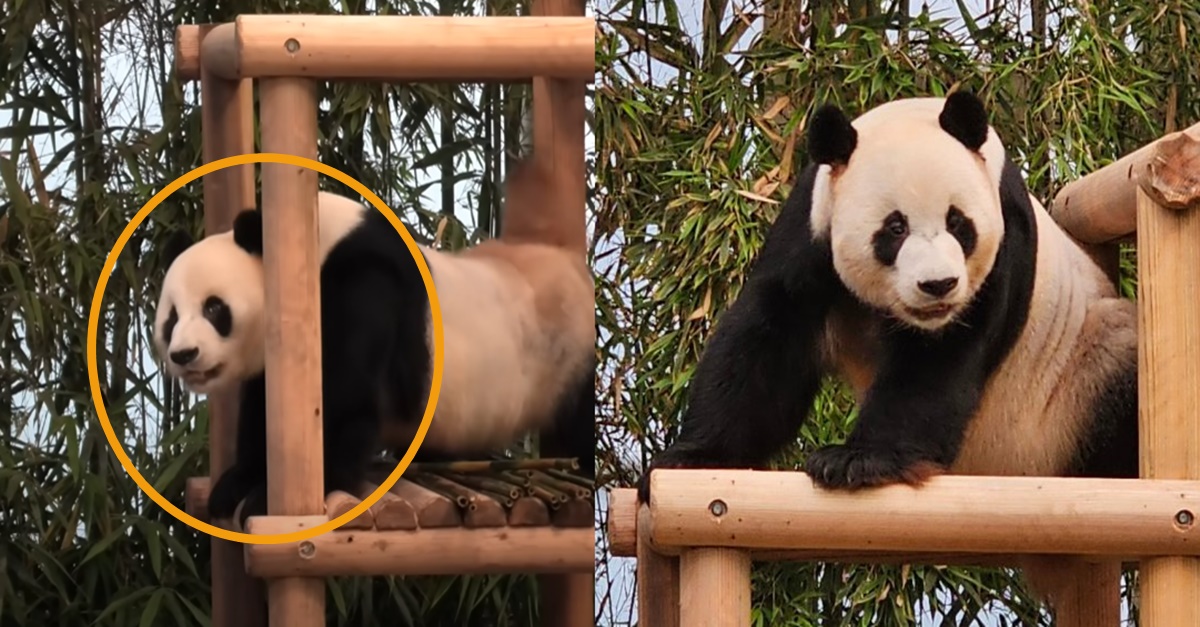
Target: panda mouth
{"points": [[932, 312], [203, 376]]}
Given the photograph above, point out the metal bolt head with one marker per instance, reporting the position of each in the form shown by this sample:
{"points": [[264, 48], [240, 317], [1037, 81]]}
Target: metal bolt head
{"points": [[718, 508], [307, 549], [292, 46], [1184, 518]]}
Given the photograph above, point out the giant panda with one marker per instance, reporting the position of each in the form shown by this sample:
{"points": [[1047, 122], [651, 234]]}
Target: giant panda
{"points": [[518, 332], [911, 261]]}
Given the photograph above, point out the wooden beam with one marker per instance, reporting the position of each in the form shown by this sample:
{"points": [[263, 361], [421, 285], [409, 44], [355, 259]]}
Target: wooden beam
{"points": [[1168, 235], [187, 50], [952, 514], [295, 477], [446, 551], [1102, 206], [227, 129], [404, 47]]}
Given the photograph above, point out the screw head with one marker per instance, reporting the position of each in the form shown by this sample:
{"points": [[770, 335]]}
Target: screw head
{"points": [[1184, 518], [718, 508], [292, 46], [307, 549]]}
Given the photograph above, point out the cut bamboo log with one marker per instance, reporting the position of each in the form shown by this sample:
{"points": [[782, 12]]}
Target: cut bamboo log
{"points": [[403, 47]]}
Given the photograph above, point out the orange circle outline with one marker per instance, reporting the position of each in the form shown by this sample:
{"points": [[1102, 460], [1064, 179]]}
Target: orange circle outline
{"points": [[94, 320]]}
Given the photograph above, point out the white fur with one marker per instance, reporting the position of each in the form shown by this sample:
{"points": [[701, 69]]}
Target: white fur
{"points": [[1079, 332], [505, 362], [215, 265], [905, 161]]}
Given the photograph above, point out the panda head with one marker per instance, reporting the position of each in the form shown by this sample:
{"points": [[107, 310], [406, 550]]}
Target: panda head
{"points": [[209, 324], [908, 196]]}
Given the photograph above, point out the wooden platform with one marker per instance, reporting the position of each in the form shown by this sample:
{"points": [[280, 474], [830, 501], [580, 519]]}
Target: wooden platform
{"points": [[434, 499], [434, 521]]}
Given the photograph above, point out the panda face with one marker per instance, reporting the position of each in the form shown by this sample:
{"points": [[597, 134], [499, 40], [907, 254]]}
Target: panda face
{"points": [[209, 322], [910, 203]]}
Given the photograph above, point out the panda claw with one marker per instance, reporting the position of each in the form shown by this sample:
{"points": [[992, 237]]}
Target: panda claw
{"points": [[843, 467]]}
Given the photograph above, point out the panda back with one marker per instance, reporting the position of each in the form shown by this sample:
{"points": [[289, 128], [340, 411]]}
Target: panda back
{"points": [[518, 331]]}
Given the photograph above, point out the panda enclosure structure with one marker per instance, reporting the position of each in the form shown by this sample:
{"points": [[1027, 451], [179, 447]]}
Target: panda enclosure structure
{"points": [[695, 541], [540, 521]]}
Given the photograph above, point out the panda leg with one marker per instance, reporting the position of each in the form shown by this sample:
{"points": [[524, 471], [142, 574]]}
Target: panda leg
{"points": [[249, 468], [913, 419], [762, 367], [357, 349], [574, 432], [753, 388]]}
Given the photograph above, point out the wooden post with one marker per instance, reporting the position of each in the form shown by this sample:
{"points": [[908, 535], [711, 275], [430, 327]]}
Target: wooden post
{"points": [[288, 114], [227, 129], [657, 580], [558, 142], [714, 588], [1092, 596], [1168, 235]]}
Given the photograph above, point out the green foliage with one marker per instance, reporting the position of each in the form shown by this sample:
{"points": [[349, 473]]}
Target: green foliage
{"points": [[701, 130], [92, 124]]}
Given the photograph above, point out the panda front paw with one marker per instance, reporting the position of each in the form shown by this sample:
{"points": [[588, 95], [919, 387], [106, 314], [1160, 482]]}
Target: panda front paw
{"points": [[255, 504], [848, 467]]}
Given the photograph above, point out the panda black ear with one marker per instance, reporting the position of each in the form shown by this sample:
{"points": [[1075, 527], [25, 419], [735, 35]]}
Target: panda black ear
{"points": [[247, 231], [177, 242], [964, 119], [831, 138]]}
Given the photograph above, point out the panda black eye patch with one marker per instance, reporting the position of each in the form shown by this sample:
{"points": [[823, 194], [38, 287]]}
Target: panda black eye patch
{"points": [[887, 240], [218, 315], [168, 327], [962, 228]]}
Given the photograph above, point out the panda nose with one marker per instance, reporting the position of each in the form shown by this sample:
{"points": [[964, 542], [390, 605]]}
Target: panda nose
{"points": [[185, 356], [938, 288]]}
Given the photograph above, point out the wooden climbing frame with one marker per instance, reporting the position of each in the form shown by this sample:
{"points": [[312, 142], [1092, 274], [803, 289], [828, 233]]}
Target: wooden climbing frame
{"points": [[695, 541], [542, 522]]}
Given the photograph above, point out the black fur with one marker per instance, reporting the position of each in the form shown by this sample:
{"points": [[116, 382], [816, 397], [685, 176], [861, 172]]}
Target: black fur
{"points": [[375, 361], [247, 231], [761, 369], [965, 119], [176, 243], [1111, 444], [963, 230], [764, 360], [886, 242], [831, 138]]}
